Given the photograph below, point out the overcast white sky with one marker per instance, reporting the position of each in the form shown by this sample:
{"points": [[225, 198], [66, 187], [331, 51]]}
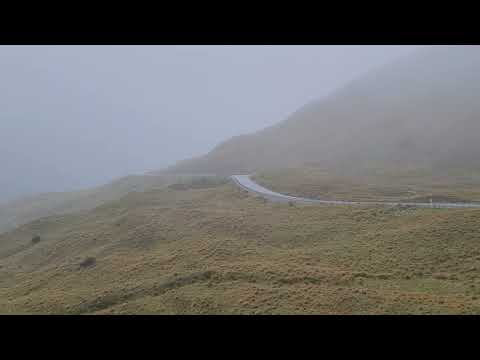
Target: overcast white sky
{"points": [[79, 116]]}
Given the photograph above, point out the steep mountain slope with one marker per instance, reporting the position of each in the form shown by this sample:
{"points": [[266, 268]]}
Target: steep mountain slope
{"points": [[420, 111]]}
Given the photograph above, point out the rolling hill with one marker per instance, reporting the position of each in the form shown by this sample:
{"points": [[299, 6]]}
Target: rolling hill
{"points": [[217, 250], [31, 208], [419, 111]]}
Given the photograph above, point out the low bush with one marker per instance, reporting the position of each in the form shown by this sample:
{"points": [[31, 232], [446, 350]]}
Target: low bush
{"points": [[36, 239], [88, 262]]}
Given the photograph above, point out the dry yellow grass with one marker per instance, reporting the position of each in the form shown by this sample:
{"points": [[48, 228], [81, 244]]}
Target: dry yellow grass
{"points": [[28, 209], [448, 185], [221, 251]]}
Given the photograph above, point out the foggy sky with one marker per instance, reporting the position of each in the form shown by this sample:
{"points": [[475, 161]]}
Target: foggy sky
{"points": [[79, 116]]}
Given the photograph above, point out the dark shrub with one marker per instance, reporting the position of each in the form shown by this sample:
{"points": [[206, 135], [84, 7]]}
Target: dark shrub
{"points": [[89, 261], [36, 239], [178, 186], [202, 182]]}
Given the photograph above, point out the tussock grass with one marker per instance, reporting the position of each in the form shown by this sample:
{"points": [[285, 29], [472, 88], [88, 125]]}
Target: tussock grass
{"points": [[221, 251], [415, 185]]}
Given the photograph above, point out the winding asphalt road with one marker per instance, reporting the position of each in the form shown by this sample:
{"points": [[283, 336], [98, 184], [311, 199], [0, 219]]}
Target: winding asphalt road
{"points": [[245, 182]]}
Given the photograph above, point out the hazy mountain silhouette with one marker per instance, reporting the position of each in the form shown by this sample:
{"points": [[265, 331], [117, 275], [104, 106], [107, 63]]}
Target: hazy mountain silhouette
{"points": [[420, 111]]}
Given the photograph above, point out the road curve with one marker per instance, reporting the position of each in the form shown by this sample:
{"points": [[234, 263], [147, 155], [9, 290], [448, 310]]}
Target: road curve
{"points": [[245, 182]]}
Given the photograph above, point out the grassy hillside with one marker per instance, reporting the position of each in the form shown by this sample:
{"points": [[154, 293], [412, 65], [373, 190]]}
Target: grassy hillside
{"points": [[454, 185], [173, 244], [420, 111], [28, 209], [216, 250]]}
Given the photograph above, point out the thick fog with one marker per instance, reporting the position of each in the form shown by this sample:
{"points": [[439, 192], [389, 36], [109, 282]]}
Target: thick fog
{"points": [[79, 116]]}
